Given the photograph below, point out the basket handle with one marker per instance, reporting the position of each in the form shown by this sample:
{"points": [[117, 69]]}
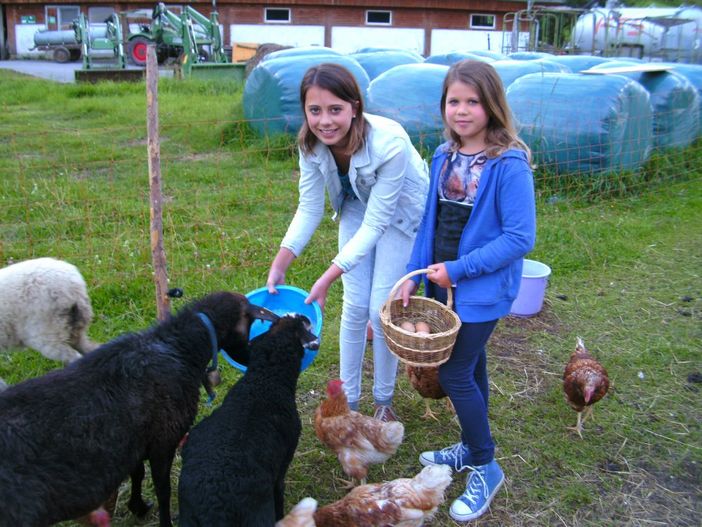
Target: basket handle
{"points": [[449, 291]]}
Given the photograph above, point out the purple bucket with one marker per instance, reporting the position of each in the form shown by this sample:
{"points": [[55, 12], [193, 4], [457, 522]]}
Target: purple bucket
{"points": [[530, 299]]}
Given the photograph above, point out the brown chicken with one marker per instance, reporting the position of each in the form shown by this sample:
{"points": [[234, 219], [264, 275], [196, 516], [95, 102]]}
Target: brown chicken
{"points": [[425, 379], [585, 382], [358, 440], [301, 515], [402, 502]]}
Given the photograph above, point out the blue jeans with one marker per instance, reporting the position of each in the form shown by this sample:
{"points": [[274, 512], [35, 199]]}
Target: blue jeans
{"points": [[366, 289], [464, 378]]}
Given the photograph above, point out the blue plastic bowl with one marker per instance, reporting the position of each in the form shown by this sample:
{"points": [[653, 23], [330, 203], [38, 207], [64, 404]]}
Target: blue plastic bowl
{"points": [[289, 299]]}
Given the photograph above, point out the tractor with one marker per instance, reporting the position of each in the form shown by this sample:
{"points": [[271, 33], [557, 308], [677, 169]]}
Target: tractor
{"points": [[185, 36]]}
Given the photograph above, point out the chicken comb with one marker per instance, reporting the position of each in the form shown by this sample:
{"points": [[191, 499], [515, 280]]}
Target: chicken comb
{"points": [[334, 387]]}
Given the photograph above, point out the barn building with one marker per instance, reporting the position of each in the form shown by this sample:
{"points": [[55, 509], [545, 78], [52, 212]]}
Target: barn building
{"points": [[427, 27]]}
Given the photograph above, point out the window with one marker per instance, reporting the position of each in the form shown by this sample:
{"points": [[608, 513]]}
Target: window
{"points": [[277, 15], [482, 21], [379, 17], [61, 17], [98, 15]]}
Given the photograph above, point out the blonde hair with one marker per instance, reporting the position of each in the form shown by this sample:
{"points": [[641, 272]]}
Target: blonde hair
{"points": [[501, 134], [342, 84]]}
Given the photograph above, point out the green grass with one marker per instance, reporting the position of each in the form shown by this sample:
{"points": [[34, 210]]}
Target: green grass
{"points": [[624, 249]]}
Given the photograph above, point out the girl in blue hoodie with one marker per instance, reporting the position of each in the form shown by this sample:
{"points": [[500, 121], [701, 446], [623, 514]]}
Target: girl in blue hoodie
{"points": [[479, 222]]}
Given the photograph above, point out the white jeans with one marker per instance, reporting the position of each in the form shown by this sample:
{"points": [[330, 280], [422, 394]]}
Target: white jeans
{"points": [[366, 288]]}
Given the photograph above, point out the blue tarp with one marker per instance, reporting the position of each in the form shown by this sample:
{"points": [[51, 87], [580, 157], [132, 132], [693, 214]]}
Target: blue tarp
{"points": [[490, 54], [693, 73], [511, 70], [552, 66], [302, 51], [578, 63], [529, 55], [675, 105], [373, 49], [455, 56], [271, 97], [411, 95], [377, 62], [583, 123]]}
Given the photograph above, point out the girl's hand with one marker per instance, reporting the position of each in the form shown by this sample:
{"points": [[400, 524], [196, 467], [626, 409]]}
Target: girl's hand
{"points": [[321, 286], [407, 289], [439, 277], [275, 277], [276, 274], [319, 293]]}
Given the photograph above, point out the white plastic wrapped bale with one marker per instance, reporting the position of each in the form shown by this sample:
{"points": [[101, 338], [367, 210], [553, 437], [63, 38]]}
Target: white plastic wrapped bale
{"points": [[377, 62], [675, 104], [583, 123], [272, 91], [411, 95]]}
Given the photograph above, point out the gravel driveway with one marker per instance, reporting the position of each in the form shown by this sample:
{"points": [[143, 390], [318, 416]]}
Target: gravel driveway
{"points": [[59, 72], [43, 68]]}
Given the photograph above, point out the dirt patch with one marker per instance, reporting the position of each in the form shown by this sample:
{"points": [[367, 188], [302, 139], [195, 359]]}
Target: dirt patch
{"points": [[512, 352], [654, 495]]}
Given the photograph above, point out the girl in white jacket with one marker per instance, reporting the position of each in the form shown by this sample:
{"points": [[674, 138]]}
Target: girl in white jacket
{"points": [[377, 184]]}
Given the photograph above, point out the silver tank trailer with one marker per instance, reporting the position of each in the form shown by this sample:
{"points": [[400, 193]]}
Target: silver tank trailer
{"points": [[64, 37], [654, 33], [63, 43], [54, 38]]}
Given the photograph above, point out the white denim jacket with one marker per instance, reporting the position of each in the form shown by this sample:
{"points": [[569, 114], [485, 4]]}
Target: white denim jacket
{"points": [[387, 174]]}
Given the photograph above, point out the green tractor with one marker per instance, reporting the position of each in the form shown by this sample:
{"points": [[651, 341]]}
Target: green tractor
{"points": [[188, 36]]}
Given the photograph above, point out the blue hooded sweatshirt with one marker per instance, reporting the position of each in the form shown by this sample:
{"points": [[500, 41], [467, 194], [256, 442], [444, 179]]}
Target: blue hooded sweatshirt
{"points": [[500, 231]]}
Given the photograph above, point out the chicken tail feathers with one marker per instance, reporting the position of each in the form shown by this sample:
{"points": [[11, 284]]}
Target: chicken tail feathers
{"points": [[580, 349], [436, 477], [301, 515], [580, 345], [393, 432]]}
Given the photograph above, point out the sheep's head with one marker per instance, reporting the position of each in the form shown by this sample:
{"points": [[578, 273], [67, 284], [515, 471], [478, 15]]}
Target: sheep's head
{"points": [[301, 326], [232, 315]]}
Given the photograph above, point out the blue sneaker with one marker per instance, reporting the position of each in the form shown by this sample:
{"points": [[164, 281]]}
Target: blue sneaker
{"points": [[455, 456], [483, 483]]}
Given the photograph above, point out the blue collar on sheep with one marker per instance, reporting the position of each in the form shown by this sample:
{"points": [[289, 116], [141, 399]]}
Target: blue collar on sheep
{"points": [[213, 337], [212, 369]]}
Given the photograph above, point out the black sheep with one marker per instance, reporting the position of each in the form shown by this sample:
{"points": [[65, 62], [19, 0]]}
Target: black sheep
{"points": [[69, 438], [235, 461]]}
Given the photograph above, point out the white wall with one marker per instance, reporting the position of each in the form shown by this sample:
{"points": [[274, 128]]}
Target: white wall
{"points": [[343, 39], [447, 40], [349, 39], [24, 40], [296, 36]]}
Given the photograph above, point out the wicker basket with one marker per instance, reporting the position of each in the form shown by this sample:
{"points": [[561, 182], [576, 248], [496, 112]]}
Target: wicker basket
{"points": [[420, 350]]}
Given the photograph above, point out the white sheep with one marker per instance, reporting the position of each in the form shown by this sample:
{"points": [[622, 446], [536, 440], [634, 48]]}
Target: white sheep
{"points": [[44, 305]]}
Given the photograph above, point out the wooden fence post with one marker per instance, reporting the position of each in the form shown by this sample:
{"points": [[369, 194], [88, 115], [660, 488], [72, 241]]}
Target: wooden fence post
{"points": [[158, 254]]}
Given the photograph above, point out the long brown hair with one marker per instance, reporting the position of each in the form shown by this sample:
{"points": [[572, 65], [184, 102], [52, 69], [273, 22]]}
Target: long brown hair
{"points": [[342, 84], [501, 134]]}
